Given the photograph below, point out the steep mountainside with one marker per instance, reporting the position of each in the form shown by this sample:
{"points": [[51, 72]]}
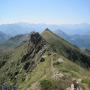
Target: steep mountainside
{"points": [[65, 48], [44, 62]]}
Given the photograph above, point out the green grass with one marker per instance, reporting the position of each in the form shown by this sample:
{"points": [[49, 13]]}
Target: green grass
{"points": [[63, 47], [43, 71]]}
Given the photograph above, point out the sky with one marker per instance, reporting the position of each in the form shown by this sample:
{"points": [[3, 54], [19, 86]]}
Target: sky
{"points": [[45, 11]]}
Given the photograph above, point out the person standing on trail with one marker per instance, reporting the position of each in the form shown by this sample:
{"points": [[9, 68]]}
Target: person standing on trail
{"points": [[72, 86], [75, 86]]}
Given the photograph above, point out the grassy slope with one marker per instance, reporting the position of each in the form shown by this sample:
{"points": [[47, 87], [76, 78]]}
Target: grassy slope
{"points": [[43, 69], [68, 68], [59, 43], [66, 49]]}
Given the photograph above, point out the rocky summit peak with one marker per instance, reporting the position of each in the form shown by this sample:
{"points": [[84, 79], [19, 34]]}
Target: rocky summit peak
{"points": [[47, 29], [35, 38]]}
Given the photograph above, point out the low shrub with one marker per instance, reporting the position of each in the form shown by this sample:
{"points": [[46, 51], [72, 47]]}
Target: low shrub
{"points": [[46, 85]]}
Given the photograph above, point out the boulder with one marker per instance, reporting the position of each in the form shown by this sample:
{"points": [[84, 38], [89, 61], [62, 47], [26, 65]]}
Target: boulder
{"points": [[59, 61]]}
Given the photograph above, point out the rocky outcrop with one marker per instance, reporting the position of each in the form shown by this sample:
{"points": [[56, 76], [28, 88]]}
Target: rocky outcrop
{"points": [[36, 48], [35, 38]]}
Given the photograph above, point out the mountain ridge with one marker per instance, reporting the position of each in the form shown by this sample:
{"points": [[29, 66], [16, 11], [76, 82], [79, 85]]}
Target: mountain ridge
{"points": [[65, 47], [68, 32], [43, 58]]}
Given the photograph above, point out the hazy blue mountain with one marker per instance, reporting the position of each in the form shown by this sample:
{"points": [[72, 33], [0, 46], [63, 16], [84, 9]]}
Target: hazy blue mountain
{"points": [[81, 41], [62, 34], [22, 28], [3, 37], [14, 29], [78, 34], [16, 41], [80, 29]]}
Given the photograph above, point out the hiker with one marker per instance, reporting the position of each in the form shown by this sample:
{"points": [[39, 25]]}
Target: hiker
{"points": [[72, 86], [75, 86]]}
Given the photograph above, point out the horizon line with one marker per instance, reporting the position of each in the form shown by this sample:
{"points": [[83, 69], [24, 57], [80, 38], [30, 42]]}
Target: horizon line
{"points": [[44, 23]]}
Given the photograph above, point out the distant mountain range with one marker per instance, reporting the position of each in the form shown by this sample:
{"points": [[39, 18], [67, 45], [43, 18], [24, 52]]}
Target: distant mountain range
{"points": [[3, 37], [78, 34], [20, 28], [80, 40]]}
